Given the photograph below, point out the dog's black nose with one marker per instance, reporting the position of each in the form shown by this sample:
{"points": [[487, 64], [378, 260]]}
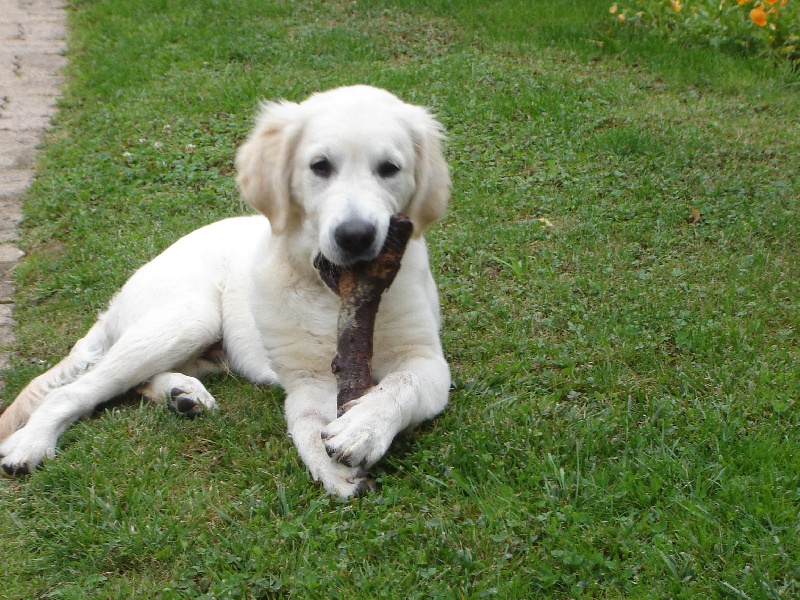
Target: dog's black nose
{"points": [[355, 237]]}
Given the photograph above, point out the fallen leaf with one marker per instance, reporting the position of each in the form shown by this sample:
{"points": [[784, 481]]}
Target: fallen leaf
{"points": [[546, 222], [696, 216]]}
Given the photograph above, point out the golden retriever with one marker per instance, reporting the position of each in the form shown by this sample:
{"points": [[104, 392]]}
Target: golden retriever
{"points": [[243, 294]]}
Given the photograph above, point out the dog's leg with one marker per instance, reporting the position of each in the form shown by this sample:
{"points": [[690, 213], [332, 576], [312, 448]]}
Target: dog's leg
{"points": [[140, 354], [86, 352], [404, 398], [310, 406]]}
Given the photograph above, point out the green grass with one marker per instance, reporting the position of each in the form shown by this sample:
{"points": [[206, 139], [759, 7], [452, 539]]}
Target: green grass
{"points": [[624, 422]]}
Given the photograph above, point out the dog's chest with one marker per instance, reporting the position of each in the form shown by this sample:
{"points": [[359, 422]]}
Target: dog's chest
{"points": [[312, 310], [294, 314]]}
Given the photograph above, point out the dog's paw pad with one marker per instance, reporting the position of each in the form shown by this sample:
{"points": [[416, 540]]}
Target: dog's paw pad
{"points": [[183, 403], [363, 484], [15, 470], [344, 481], [330, 450]]}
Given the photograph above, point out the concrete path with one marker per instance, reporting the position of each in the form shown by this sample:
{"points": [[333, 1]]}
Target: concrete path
{"points": [[32, 56]]}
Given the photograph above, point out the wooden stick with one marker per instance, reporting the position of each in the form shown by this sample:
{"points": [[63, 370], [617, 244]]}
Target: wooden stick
{"points": [[360, 288]]}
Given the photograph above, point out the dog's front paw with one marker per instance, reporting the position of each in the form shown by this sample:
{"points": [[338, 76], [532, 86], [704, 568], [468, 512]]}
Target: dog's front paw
{"points": [[344, 482], [355, 439], [22, 453]]}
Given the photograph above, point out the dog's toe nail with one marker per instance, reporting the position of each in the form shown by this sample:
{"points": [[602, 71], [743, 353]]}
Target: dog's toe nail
{"points": [[330, 450]]}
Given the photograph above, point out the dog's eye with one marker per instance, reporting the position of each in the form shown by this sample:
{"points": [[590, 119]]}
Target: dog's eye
{"points": [[388, 169], [322, 167]]}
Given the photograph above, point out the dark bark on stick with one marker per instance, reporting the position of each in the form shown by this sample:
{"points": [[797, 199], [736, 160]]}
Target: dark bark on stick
{"points": [[360, 288]]}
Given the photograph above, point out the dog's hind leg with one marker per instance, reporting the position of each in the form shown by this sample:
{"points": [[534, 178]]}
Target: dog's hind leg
{"points": [[139, 355], [84, 354]]}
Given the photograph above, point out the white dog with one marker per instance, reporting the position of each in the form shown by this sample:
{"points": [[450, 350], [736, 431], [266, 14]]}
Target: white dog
{"points": [[242, 294]]}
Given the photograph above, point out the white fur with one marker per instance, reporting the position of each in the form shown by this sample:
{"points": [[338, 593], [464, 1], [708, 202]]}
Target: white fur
{"points": [[250, 282]]}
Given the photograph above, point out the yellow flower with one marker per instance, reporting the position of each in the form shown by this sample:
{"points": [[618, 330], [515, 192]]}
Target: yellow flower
{"points": [[676, 5], [613, 9], [758, 16], [742, 1], [621, 18]]}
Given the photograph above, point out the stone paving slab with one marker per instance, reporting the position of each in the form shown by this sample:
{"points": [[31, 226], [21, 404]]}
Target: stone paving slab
{"points": [[9, 255], [17, 148], [32, 56]]}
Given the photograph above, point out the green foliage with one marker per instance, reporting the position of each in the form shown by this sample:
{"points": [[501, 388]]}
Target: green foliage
{"points": [[767, 28], [624, 421]]}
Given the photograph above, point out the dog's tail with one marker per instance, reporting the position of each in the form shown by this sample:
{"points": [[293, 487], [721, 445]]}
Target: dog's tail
{"points": [[86, 353]]}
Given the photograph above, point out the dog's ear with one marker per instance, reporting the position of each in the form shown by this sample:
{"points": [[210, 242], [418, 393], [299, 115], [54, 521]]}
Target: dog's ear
{"points": [[263, 162], [432, 176]]}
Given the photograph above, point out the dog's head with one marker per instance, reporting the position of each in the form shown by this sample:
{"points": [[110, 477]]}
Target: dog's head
{"points": [[337, 166]]}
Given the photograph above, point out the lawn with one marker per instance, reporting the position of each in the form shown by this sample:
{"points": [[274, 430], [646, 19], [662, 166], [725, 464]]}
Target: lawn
{"points": [[624, 419]]}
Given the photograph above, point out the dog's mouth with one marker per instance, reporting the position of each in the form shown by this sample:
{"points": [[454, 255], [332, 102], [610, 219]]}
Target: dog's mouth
{"points": [[328, 271], [329, 268], [341, 260]]}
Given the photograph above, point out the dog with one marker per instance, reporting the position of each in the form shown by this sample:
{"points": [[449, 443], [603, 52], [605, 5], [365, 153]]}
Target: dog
{"points": [[242, 294]]}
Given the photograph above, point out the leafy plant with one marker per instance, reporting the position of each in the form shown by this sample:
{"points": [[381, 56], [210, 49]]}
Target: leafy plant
{"points": [[764, 27]]}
